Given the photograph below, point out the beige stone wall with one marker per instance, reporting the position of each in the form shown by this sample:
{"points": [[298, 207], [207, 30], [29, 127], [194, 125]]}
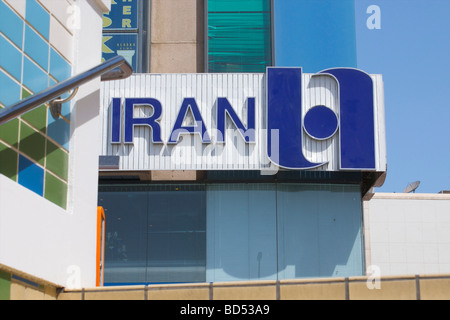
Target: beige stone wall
{"points": [[16, 285], [429, 287], [420, 287], [177, 36], [23, 291]]}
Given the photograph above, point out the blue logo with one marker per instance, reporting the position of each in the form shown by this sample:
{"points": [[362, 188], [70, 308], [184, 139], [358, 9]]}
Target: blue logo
{"points": [[354, 125]]}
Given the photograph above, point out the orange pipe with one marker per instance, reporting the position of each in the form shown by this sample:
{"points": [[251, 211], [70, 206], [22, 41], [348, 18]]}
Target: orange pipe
{"points": [[100, 243]]}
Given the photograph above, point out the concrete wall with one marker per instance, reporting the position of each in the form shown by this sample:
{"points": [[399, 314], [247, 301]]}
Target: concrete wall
{"points": [[15, 287], [408, 287], [177, 33], [353, 288], [38, 238], [407, 233]]}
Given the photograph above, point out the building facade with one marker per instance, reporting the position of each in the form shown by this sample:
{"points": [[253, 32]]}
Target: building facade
{"points": [[181, 208], [228, 156]]}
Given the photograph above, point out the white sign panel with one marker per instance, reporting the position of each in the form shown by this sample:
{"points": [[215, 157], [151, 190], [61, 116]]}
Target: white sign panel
{"points": [[282, 119]]}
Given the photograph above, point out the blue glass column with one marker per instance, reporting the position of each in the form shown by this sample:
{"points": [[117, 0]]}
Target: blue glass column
{"points": [[314, 34]]}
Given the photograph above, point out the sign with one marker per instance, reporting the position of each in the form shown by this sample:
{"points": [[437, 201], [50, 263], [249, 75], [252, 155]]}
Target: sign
{"points": [[120, 31], [122, 44], [123, 15], [331, 121], [354, 118]]}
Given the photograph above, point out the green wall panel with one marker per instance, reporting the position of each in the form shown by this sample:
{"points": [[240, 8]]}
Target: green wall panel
{"points": [[8, 162], [5, 285], [32, 143], [239, 35], [57, 160], [55, 190]]}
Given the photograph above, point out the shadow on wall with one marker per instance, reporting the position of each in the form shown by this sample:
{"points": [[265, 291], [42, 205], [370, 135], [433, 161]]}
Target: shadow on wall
{"points": [[283, 231]]}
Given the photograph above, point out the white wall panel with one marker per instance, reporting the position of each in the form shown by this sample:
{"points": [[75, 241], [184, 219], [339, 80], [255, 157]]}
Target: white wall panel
{"points": [[408, 233]]}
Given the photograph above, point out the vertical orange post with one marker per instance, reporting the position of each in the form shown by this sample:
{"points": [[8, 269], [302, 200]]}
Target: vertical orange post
{"points": [[100, 245]]}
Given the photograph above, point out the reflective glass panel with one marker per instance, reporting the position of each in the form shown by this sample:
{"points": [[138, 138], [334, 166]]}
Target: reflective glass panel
{"points": [[154, 234], [239, 35]]}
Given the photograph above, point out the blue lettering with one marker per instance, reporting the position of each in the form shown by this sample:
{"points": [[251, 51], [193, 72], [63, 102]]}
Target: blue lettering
{"points": [[284, 118], [357, 128], [224, 108], [115, 127], [131, 122], [198, 127], [286, 125]]}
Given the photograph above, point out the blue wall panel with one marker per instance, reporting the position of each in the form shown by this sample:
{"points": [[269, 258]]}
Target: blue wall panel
{"points": [[319, 233], [283, 231], [241, 232], [314, 35], [11, 25]]}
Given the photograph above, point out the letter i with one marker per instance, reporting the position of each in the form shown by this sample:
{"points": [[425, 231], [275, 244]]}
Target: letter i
{"points": [[115, 127]]}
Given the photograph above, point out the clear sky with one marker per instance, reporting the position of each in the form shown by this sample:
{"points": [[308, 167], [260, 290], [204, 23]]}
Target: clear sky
{"points": [[408, 42], [412, 52]]}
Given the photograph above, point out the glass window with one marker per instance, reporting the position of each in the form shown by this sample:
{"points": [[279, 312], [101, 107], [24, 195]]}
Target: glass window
{"points": [[231, 232], [125, 236], [241, 232], [319, 231], [283, 231], [238, 35], [154, 233], [176, 235]]}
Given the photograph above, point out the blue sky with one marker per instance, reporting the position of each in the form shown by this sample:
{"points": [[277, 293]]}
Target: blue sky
{"points": [[412, 52], [411, 49]]}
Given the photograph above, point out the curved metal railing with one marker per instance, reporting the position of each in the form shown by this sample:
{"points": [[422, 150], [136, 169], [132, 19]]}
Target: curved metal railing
{"points": [[107, 71]]}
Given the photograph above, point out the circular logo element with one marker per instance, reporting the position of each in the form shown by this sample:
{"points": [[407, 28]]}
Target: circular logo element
{"points": [[320, 123]]}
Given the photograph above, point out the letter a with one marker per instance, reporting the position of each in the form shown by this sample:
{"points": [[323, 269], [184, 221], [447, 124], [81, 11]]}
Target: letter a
{"points": [[374, 21]]}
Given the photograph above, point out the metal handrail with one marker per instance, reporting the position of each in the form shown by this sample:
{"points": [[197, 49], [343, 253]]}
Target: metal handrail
{"points": [[106, 70]]}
